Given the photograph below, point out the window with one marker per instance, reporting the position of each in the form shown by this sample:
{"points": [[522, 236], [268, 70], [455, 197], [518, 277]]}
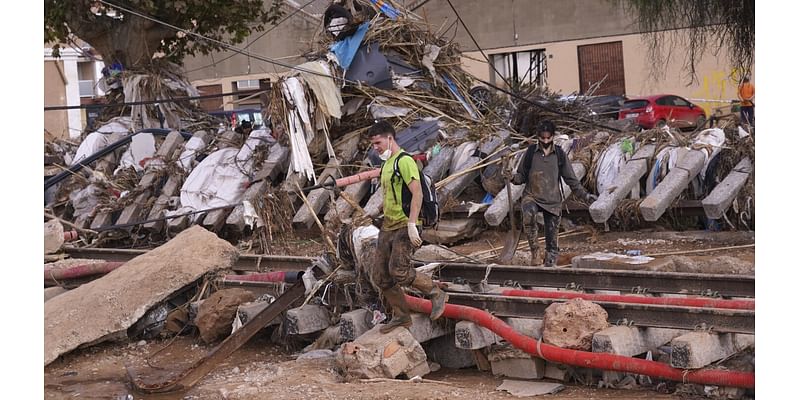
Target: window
{"points": [[679, 102], [247, 84], [521, 68], [86, 82]]}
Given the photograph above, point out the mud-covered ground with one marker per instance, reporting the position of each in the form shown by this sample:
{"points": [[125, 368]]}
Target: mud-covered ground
{"points": [[264, 370]]}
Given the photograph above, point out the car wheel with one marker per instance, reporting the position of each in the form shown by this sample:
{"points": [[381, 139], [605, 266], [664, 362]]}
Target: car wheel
{"points": [[700, 123], [661, 123]]}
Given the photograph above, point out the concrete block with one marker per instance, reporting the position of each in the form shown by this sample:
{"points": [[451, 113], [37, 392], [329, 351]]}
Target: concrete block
{"points": [[307, 319], [601, 260], [527, 326], [456, 186], [514, 363], [423, 329], [374, 203], [355, 323], [556, 371], [725, 192], [676, 181], [471, 336], [246, 312], [443, 351], [53, 236], [439, 165], [377, 355], [632, 341], [698, 349], [626, 182]]}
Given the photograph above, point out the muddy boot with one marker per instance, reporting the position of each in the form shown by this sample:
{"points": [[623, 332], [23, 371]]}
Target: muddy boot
{"points": [[550, 259], [400, 316], [425, 284]]}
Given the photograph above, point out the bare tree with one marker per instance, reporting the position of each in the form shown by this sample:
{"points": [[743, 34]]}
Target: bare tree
{"points": [[699, 27]]}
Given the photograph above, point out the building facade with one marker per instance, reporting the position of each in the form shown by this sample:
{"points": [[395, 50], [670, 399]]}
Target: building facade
{"points": [[70, 80]]}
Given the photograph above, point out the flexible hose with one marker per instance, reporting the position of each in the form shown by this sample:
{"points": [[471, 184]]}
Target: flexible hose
{"points": [[586, 359], [52, 275]]}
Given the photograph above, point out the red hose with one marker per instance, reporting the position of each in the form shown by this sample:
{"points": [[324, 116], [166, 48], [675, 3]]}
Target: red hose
{"points": [[666, 301], [80, 271], [70, 235], [586, 359], [276, 276]]}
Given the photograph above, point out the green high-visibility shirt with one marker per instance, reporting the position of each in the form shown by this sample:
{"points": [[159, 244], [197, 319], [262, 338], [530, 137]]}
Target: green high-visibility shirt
{"points": [[393, 216]]}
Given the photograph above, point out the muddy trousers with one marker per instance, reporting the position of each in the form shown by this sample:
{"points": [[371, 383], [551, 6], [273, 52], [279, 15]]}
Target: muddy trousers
{"points": [[393, 270], [551, 222]]}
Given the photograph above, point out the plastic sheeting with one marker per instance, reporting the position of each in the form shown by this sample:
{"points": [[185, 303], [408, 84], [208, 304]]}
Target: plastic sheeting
{"points": [[109, 133], [362, 236], [324, 88], [714, 138], [300, 131], [190, 149], [664, 161], [612, 159], [221, 178], [346, 49], [141, 149], [380, 111]]}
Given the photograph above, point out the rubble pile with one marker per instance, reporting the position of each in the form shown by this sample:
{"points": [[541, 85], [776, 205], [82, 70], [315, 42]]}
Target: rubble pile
{"points": [[376, 65]]}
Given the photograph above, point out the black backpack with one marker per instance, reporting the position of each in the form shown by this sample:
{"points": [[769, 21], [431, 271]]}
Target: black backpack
{"points": [[429, 213]]}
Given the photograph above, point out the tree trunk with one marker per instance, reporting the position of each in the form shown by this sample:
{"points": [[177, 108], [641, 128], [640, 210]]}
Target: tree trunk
{"points": [[132, 42]]}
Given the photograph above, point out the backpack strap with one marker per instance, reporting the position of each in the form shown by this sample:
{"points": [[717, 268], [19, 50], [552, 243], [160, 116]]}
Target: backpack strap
{"points": [[396, 172]]}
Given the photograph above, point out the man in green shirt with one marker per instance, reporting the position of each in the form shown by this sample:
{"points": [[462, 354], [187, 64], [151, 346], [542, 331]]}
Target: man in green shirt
{"points": [[399, 234]]}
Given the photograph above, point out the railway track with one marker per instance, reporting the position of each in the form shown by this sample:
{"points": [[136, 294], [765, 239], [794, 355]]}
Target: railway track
{"points": [[645, 315]]}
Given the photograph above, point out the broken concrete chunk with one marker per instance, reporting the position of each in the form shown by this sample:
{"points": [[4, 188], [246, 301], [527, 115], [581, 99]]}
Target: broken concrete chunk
{"points": [[307, 319], [113, 303], [377, 355], [53, 236], [355, 323], [216, 314], [619, 261], [528, 388], [572, 325], [443, 351], [515, 363]]}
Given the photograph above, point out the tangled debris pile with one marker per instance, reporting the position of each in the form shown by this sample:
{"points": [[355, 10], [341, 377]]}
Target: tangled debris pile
{"points": [[138, 187]]}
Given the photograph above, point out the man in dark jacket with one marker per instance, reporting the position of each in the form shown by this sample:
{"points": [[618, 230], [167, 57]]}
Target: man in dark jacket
{"points": [[543, 166]]}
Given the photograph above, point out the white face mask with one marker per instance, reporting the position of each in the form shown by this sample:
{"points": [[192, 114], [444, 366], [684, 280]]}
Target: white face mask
{"points": [[385, 155]]}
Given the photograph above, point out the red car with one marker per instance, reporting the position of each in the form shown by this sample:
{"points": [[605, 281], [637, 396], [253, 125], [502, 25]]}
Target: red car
{"points": [[658, 110]]}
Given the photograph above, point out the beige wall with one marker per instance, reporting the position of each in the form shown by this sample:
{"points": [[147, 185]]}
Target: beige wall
{"points": [[55, 93], [285, 43], [714, 77]]}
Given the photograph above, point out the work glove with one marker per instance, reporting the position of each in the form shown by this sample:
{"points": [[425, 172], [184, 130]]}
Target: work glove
{"points": [[590, 198], [413, 234]]}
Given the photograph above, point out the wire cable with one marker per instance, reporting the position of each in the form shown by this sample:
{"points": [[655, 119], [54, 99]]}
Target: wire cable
{"points": [[256, 39]]}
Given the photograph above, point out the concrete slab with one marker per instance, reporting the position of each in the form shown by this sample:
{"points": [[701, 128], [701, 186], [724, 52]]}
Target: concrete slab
{"points": [[54, 291], [556, 371], [698, 349], [528, 388], [377, 355], [114, 302], [527, 326]]}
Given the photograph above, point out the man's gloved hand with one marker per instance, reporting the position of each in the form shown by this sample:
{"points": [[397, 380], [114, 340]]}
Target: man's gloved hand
{"points": [[413, 234], [590, 198]]}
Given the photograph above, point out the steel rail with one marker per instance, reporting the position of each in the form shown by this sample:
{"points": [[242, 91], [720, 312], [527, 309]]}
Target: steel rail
{"points": [[645, 315], [602, 279]]}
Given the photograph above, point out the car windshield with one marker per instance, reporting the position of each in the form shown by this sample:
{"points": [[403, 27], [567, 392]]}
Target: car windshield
{"points": [[633, 104]]}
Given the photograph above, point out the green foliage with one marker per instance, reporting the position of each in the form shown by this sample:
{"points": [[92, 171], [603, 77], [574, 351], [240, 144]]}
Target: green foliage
{"points": [[712, 25], [107, 29]]}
